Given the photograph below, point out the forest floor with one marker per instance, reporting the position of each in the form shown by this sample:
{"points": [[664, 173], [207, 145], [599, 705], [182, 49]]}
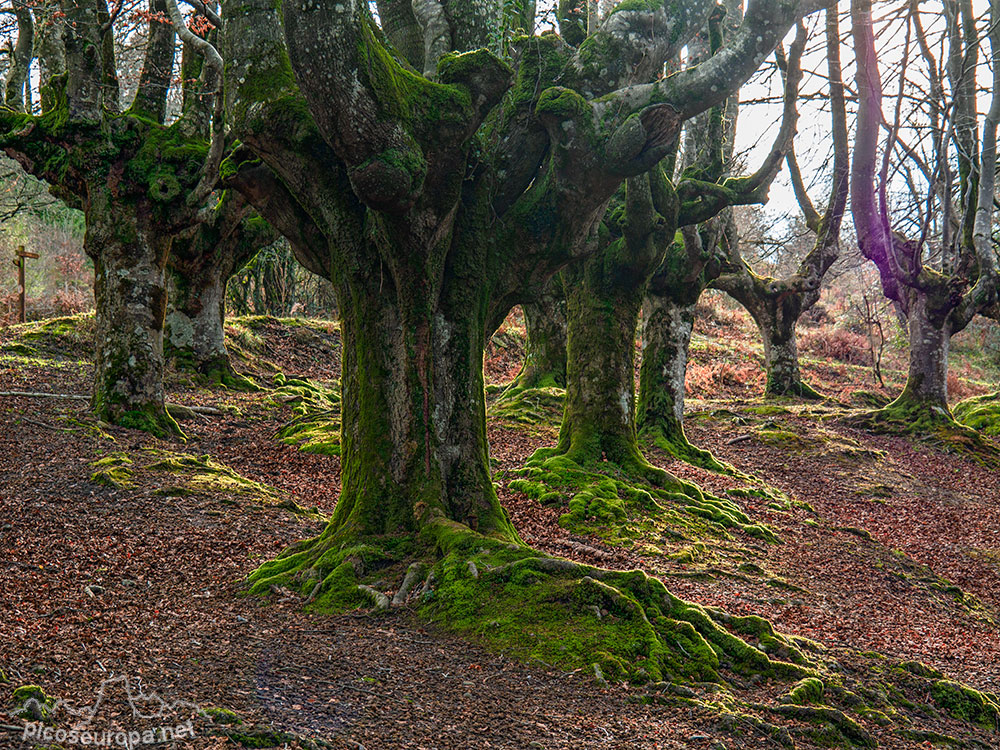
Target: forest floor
{"points": [[134, 566]]}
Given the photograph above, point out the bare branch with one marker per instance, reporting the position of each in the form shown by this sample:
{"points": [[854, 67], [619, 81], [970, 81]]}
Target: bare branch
{"points": [[20, 56], [206, 11], [214, 66]]}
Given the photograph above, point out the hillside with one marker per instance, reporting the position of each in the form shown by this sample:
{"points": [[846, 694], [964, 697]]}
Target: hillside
{"points": [[124, 554]]}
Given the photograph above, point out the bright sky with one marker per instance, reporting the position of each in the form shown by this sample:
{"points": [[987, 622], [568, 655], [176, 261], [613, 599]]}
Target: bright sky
{"points": [[758, 121]]}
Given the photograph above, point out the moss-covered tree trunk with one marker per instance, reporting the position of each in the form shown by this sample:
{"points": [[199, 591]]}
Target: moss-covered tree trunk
{"points": [[195, 324], [666, 338], [775, 307], [545, 354], [776, 320], [927, 377], [599, 418], [130, 293], [202, 260], [668, 322], [414, 447]]}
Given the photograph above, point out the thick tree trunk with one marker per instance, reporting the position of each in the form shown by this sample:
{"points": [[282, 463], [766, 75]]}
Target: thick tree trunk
{"points": [[195, 336], [781, 354], [599, 418], [927, 379], [666, 337], [131, 301], [775, 307], [414, 415], [545, 355]]}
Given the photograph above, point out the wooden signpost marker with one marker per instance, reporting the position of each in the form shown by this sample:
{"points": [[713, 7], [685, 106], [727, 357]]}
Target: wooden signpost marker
{"points": [[19, 262]]}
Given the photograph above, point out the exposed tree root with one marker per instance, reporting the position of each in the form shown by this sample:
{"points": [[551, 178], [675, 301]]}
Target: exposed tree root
{"points": [[540, 405], [617, 626], [672, 440], [796, 389], [576, 615], [315, 426], [931, 424], [625, 503], [981, 413]]}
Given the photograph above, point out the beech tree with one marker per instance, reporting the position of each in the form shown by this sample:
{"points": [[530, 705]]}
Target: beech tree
{"points": [[777, 304], [202, 260], [689, 262], [139, 182], [440, 197], [676, 256], [939, 279], [204, 256]]}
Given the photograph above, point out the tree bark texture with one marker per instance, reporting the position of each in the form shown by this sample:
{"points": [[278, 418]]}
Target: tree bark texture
{"points": [[434, 232], [414, 416], [130, 293], [545, 354], [201, 262], [599, 419], [666, 339], [930, 338]]}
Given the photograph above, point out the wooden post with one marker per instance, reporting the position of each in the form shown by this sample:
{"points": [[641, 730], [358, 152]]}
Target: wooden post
{"points": [[19, 262]]}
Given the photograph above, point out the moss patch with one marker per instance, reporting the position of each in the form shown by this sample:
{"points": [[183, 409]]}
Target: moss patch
{"points": [[315, 426], [204, 475], [537, 407], [602, 500], [32, 703], [962, 702], [931, 424], [981, 413], [113, 471]]}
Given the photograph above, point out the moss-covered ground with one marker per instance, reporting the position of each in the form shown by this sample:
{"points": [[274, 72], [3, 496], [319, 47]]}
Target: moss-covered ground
{"points": [[315, 423]]}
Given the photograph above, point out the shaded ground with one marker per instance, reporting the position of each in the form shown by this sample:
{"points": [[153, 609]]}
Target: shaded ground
{"points": [[897, 553]]}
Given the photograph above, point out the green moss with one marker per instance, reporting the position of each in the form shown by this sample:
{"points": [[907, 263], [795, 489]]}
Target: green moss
{"points": [[779, 438], [222, 716], [113, 471], [768, 410], [837, 729], [921, 670], [868, 399], [934, 738], [540, 406], [561, 103], [930, 423], [624, 510], [167, 160], [17, 347], [149, 420], [431, 111], [203, 474], [967, 704], [626, 623], [70, 335], [32, 703], [981, 413], [315, 426], [648, 6], [806, 691]]}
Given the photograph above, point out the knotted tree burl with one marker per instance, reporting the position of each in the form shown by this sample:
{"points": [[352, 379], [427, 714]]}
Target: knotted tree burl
{"points": [[442, 199]]}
